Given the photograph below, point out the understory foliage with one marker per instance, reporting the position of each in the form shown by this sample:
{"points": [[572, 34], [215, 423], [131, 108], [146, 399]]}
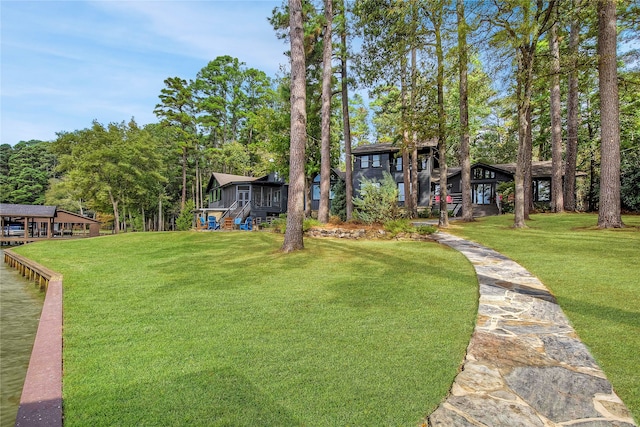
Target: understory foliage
{"points": [[378, 201], [185, 220], [630, 182], [339, 201]]}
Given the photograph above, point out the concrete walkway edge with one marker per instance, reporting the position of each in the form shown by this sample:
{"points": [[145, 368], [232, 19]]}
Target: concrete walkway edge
{"points": [[525, 365]]}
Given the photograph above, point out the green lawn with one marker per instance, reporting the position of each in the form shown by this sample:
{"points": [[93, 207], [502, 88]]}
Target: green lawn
{"points": [[595, 275], [222, 329]]}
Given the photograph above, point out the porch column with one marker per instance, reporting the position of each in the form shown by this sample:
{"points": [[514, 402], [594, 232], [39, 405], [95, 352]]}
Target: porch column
{"points": [[26, 229]]}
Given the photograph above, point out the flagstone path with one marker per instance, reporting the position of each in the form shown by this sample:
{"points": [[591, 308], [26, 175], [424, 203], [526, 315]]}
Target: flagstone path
{"points": [[525, 365]]}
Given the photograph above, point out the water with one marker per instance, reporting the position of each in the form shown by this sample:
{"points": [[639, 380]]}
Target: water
{"points": [[20, 306]]}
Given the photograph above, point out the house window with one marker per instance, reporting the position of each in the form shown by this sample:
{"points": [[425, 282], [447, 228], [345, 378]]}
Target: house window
{"points": [[268, 197], [401, 191], [215, 195], [276, 198], [480, 173], [398, 161], [364, 162], [423, 162], [541, 190], [482, 194], [257, 197], [375, 161], [315, 190]]}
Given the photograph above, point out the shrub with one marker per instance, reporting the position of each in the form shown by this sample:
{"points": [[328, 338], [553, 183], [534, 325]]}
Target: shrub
{"points": [[185, 219], [399, 226], [334, 219], [378, 201], [279, 225], [630, 182], [426, 229], [308, 223], [508, 191], [339, 201]]}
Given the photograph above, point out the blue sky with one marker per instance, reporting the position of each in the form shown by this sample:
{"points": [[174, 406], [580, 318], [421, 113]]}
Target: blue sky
{"points": [[66, 63]]}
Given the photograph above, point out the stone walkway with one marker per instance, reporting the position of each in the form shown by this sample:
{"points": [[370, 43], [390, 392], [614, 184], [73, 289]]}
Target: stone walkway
{"points": [[525, 365]]}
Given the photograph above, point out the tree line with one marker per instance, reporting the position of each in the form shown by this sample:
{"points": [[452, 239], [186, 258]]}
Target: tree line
{"points": [[492, 81]]}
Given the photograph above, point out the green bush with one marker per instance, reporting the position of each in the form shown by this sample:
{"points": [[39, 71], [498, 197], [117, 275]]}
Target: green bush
{"points": [[279, 225], [630, 182], [339, 201], [399, 226], [426, 229], [508, 191], [185, 219], [310, 222], [378, 201]]}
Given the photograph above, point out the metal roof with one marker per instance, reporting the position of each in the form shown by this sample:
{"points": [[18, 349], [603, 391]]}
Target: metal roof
{"points": [[32, 211], [225, 178]]}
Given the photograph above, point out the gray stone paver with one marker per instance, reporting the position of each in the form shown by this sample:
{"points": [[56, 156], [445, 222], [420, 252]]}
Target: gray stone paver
{"points": [[525, 365]]}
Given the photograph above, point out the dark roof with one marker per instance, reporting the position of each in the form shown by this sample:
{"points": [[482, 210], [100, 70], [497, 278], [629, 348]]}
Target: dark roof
{"points": [[386, 147], [539, 169], [33, 211], [73, 217]]}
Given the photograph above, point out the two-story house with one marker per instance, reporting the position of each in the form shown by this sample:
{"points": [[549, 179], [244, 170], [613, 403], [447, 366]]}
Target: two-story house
{"points": [[372, 160]]}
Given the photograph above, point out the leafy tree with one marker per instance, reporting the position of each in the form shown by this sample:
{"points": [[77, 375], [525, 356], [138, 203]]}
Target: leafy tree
{"points": [[26, 170], [630, 181], [359, 119], [110, 167], [62, 194], [520, 25]]}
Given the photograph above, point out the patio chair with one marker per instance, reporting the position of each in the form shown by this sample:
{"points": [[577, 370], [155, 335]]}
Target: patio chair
{"points": [[237, 222], [247, 225], [203, 223], [213, 223]]}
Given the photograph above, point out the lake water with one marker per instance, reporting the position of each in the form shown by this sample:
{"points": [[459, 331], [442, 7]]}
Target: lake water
{"points": [[20, 306]]}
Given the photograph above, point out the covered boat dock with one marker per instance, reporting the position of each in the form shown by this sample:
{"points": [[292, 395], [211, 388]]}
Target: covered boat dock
{"points": [[29, 223]]}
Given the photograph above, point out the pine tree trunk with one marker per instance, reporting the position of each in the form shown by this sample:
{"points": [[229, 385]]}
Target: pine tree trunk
{"points": [[465, 161], [557, 203], [412, 189], [406, 160], [443, 221], [345, 116], [183, 198], [572, 116], [293, 237], [325, 149], [609, 215]]}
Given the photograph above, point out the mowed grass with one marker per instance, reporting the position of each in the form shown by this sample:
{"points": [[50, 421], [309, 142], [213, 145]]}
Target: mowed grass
{"points": [[595, 275], [221, 329]]}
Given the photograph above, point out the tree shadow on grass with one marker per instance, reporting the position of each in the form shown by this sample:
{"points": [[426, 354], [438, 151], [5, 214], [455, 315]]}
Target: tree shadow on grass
{"points": [[221, 397], [599, 311]]}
